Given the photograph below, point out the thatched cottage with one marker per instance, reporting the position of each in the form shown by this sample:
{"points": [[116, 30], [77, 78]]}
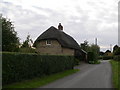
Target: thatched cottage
{"points": [[56, 42]]}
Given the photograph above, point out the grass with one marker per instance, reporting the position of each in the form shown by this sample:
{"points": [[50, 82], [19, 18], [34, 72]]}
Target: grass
{"points": [[38, 82], [116, 73]]}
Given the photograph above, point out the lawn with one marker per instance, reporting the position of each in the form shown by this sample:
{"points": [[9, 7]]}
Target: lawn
{"points": [[116, 73], [38, 82]]}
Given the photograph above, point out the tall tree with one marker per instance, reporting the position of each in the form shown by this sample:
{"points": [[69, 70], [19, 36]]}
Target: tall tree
{"points": [[95, 49], [26, 43], [117, 51], [85, 46], [10, 41], [27, 46], [115, 48]]}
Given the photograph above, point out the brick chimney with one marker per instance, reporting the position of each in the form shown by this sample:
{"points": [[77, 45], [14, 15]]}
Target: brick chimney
{"points": [[60, 27]]}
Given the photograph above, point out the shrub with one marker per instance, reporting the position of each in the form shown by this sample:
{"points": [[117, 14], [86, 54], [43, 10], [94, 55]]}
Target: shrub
{"points": [[76, 61], [100, 57], [94, 62], [17, 67], [117, 51], [90, 56], [27, 50], [117, 57], [107, 57]]}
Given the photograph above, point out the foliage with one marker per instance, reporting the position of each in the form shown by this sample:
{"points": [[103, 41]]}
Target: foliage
{"points": [[26, 43], [115, 48], [27, 50], [90, 56], [95, 49], [116, 74], [94, 62], [84, 45], [117, 57], [76, 61], [100, 57], [10, 41], [91, 48], [105, 57], [101, 53], [38, 82], [18, 67], [117, 51], [92, 59], [26, 46]]}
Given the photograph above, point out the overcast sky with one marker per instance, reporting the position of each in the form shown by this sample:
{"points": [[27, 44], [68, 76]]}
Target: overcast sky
{"points": [[81, 19]]}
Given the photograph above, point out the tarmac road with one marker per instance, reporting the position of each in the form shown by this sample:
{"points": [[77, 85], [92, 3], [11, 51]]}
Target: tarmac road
{"points": [[89, 76]]}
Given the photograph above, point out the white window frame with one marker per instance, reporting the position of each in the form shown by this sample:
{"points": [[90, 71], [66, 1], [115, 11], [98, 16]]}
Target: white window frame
{"points": [[48, 42]]}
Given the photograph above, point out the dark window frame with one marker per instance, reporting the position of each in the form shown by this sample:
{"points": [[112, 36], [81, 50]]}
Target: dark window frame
{"points": [[48, 42]]}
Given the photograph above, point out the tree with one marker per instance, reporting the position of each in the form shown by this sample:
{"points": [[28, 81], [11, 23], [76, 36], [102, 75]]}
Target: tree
{"points": [[117, 51], [95, 49], [26, 46], [85, 46], [115, 48], [27, 42], [10, 41]]}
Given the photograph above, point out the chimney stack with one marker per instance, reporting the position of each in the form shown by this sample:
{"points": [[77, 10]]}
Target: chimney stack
{"points": [[60, 27]]}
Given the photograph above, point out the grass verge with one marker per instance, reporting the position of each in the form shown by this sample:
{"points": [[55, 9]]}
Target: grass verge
{"points": [[38, 82], [116, 73]]}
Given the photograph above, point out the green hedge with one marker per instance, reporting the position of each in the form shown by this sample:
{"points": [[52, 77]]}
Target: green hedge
{"points": [[17, 67], [76, 61], [107, 57], [100, 57], [117, 57]]}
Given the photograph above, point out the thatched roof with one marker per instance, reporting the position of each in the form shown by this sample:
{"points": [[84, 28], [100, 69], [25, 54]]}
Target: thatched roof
{"points": [[64, 39]]}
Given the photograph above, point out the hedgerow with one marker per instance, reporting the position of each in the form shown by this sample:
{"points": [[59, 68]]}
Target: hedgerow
{"points": [[117, 57], [17, 67], [107, 57]]}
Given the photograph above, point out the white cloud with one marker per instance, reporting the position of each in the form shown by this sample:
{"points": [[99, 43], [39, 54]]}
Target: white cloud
{"points": [[82, 19]]}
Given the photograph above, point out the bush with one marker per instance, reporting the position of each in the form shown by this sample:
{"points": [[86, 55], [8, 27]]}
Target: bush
{"points": [[107, 57], [117, 57], [76, 61], [94, 62], [100, 57], [27, 50], [90, 56], [17, 67], [117, 51]]}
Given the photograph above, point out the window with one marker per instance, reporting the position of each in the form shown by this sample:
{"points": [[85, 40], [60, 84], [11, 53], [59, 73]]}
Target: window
{"points": [[48, 42]]}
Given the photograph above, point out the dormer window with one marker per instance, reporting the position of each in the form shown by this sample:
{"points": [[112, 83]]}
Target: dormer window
{"points": [[48, 42]]}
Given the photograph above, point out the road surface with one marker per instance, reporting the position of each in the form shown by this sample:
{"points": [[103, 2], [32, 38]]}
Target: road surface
{"points": [[89, 76]]}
